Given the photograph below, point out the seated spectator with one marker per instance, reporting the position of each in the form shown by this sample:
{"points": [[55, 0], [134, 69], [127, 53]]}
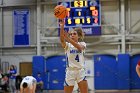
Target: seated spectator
{"points": [[39, 87], [4, 83]]}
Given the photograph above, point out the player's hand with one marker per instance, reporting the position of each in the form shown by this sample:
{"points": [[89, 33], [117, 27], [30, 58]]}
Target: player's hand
{"points": [[61, 22]]}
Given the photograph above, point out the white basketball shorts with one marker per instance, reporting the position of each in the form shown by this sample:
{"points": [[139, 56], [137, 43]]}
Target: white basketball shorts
{"points": [[73, 75]]}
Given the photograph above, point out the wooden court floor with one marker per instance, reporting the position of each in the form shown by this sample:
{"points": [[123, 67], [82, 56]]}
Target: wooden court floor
{"points": [[61, 91]]}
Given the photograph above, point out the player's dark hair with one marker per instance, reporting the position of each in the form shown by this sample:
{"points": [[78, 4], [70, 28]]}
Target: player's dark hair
{"points": [[25, 85]]}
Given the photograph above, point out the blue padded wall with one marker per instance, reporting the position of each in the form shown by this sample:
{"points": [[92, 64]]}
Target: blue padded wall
{"points": [[105, 67], [39, 66], [56, 68], [123, 71], [134, 79]]}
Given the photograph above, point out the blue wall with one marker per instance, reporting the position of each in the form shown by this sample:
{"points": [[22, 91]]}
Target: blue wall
{"points": [[105, 69], [52, 71], [56, 68], [111, 72], [123, 70], [39, 67], [117, 73]]}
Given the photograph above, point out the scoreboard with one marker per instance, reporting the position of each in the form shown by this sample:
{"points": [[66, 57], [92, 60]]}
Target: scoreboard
{"points": [[85, 14]]}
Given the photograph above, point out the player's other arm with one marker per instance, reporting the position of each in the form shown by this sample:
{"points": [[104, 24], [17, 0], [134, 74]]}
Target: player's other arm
{"points": [[31, 91], [63, 43], [21, 89], [34, 87]]}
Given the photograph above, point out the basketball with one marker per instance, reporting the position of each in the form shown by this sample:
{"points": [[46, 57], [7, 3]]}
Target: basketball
{"points": [[60, 11]]}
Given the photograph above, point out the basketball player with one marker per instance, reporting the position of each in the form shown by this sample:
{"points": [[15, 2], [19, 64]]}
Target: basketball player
{"points": [[138, 68], [28, 85], [74, 50]]}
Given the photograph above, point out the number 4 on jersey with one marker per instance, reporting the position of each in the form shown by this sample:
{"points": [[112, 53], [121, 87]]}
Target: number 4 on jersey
{"points": [[77, 58]]}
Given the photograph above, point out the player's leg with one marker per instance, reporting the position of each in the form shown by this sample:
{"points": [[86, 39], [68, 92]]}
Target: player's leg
{"points": [[68, 89], [68, 85], [83, 86], [69, 81], [82, 82]]}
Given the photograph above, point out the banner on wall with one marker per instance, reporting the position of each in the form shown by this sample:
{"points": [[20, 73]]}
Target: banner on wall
{"points": [[21, 27]]}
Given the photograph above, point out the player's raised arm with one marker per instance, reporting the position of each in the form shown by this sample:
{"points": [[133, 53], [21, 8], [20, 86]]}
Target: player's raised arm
{"points": [[63, 43]]}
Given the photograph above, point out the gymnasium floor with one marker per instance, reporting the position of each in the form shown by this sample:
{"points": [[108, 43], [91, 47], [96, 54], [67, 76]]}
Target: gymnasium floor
{"points": [[61, 91]]}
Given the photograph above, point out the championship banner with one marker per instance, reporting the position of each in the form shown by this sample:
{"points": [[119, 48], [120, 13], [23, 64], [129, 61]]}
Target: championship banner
{"points": [[21, 27]]}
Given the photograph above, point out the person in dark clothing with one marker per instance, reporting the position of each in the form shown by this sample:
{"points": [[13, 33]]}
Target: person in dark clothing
{"points": [[4, 83], [39, 86], [18, 81]]}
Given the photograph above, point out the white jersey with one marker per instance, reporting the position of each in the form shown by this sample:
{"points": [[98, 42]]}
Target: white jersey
{"points": [[30, 80], [75, 59]]}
